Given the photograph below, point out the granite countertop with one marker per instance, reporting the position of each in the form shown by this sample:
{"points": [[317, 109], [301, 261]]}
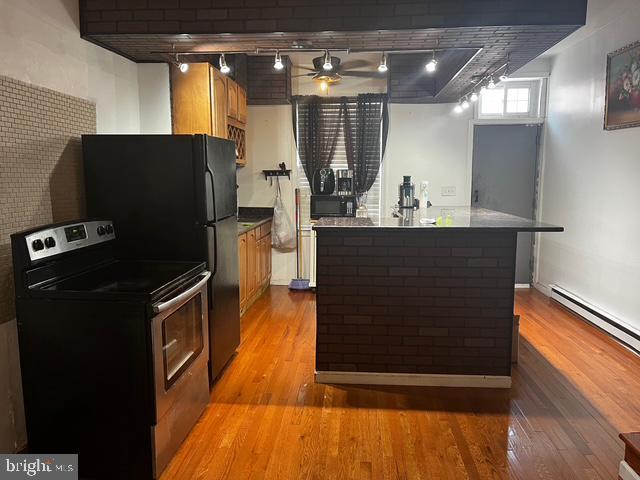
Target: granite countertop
{"points": [[452, 218], [252, 217]]}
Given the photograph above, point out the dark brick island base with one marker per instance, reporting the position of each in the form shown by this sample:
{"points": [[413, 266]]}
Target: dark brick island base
{"points": [[402, 303]]}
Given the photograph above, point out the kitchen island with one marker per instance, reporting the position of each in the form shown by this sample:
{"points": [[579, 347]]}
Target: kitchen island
{"points": [[400, 302]]}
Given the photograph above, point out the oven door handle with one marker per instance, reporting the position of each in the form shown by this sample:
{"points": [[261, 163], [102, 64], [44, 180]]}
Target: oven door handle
{"points": [[163, 306]]}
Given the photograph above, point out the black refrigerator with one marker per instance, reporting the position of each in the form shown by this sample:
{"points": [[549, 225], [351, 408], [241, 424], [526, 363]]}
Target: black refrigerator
{"points": [[173, 197]]}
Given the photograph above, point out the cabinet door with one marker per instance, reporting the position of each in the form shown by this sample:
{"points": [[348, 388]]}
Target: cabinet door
{"points": [[191, 99], [219, 103], [242, 105], [252, 263], [242, 254], [260, 269], [232, 99]]}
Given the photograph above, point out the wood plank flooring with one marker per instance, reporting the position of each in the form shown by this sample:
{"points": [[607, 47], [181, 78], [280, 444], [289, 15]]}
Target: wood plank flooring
{"points": [[574, 390]]}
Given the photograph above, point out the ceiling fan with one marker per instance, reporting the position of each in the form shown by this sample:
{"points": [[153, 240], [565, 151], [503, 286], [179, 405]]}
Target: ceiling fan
{"points": [[330, 69]]}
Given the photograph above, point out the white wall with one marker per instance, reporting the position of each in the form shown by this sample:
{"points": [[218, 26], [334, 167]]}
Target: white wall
{"points": [[155, 99], [40, 43], [591, 176], [428, 142]]}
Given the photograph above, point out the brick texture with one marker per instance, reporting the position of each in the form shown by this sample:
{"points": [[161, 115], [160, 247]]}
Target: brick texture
{"points": [[40, 165], [415, 302], [266, 85]]}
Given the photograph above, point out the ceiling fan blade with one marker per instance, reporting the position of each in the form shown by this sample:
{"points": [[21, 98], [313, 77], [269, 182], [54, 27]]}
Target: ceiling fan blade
{"points": [[361, 74], [355, 64], [305, 68], [304, 75]]}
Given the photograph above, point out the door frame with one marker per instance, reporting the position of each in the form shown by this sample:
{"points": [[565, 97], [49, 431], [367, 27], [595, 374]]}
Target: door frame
{"points": [[538, 178]]}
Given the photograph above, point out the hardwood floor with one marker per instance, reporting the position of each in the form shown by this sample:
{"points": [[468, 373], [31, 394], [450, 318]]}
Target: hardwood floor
{"points": [[574, 390]]}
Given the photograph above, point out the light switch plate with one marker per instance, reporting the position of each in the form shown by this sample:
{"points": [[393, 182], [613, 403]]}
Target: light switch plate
{"points": [[449, 191]]}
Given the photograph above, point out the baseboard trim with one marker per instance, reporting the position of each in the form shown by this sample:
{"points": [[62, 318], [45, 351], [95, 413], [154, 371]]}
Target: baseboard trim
{"points": [[625, 472], [414, 379], [597, 317]]}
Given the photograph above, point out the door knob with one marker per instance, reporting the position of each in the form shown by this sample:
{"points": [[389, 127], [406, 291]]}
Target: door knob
{"points": [[475, 196]]}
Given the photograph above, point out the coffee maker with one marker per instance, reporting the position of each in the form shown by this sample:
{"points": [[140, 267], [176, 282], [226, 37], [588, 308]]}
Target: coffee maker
{"points": [[344, 180], [407, 193]]}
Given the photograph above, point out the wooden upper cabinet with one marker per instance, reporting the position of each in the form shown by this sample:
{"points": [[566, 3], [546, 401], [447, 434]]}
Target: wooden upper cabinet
{"points": [[232, 99], [219, 103], [242, 105], [191, 99]]}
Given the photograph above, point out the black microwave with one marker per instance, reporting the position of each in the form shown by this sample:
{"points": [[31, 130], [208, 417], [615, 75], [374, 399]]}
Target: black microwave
{"points": [[333, 206]]}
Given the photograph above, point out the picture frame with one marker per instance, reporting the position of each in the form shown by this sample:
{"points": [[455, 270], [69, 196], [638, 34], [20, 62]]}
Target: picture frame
{"points": [[622, 95]]}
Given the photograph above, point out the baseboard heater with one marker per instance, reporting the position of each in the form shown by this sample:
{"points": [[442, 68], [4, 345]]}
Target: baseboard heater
{"points": [[597, 317]]}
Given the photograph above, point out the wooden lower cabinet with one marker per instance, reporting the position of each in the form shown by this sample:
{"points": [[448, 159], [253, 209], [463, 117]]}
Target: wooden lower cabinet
{"points": [[254, 249]]}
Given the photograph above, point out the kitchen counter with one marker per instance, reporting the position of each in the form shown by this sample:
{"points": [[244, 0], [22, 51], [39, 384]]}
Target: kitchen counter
{"points": [[452, 218], [401, 303], [252, 217]]}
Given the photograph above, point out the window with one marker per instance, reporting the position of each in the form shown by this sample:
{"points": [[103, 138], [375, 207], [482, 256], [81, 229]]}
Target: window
{"points": [[373, 198], [512, 99]]}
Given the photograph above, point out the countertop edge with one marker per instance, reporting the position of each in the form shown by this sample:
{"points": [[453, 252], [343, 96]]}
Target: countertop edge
{"points": [[242, 230]]}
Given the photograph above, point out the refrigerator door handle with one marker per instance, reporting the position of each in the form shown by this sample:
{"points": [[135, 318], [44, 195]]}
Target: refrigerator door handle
{"points": [[215, 251], [209, 174]]}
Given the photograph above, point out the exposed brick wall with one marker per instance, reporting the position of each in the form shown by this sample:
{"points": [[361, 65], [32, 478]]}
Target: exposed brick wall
{"points": [[254, 16], [415, 302], [266, 85], [40, 165]]}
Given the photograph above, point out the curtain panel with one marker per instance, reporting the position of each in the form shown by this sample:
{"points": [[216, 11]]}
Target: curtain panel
{"points": [[317, 123], [366, 124]]}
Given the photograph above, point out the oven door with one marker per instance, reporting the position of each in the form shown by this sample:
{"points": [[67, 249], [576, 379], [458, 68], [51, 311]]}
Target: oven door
{"points": [[180, 354]]}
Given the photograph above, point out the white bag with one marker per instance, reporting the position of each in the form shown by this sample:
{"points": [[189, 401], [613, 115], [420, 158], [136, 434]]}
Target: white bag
{"points": [[282, 231]]}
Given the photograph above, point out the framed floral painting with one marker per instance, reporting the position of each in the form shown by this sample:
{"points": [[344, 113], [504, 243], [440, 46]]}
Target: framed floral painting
{"points": [[622, 103]]}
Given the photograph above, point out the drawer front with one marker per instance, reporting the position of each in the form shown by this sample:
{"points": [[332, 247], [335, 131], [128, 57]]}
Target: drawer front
{"points": [[265, 229]]}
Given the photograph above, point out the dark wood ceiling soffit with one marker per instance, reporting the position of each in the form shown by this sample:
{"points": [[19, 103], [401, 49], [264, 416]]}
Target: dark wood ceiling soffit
{"points": [[142, 29]]}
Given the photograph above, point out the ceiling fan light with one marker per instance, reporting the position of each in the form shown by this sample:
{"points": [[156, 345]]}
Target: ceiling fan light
{"points": [[327, 61], [324, 85], [277, 63], [224, 68]]}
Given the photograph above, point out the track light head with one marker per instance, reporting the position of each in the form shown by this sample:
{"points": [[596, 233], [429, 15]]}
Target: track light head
{"points": [[327, 61], [465, 103], [473, 97], [382, 68], [504, 77], [492, 84], [433, 63], [224, 68], [184, 67], [457, 109], [277, 63]]}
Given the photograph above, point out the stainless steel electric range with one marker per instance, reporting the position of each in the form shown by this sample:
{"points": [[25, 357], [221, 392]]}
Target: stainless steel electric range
{"points": [[113, 352]]}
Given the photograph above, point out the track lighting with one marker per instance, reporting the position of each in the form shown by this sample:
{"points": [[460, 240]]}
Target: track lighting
{"points": [[457, 108], [473, 97], [224, 68], [433, 63], [465, 103], [383, 64], [491, 85], [504, 77], [183, 67], [505, 74], [327, 61], [277, 64]]}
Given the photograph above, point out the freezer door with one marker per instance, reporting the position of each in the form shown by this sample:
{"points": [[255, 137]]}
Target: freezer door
{"points": [[222, 200], [224, 294]]}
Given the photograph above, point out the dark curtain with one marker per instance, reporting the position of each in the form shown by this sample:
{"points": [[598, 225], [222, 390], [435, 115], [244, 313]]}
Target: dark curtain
{"points": [[366, 125], [318, 122]]}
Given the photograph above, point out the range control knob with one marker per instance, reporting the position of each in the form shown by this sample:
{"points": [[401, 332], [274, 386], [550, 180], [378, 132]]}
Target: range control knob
{"points": [[37, 244], [49, 242], [109, 228], [101, 230]]}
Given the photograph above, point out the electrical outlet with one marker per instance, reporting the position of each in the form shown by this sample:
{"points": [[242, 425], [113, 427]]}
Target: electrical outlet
{"points": [[449, 191]]}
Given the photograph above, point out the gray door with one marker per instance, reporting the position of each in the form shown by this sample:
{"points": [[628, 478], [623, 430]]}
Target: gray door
{"points": [[505, 159]]}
